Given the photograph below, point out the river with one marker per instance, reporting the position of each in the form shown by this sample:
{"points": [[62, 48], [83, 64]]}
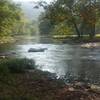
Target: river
{"points": [[70, 62]]}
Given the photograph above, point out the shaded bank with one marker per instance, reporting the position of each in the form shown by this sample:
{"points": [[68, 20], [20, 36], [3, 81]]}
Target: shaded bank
{"points": [[33, 84], [36, 85]]}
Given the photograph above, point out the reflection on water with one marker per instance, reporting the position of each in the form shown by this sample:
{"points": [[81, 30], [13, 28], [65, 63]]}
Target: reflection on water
{"points": [[71, 61]]}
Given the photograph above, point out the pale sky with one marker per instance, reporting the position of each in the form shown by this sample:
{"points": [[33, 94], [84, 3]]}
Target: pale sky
{"points": [[27, 7], [31, 0]]}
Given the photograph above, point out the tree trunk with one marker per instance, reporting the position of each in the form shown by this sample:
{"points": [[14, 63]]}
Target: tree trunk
{"points": [[77, 30], [92, 32]]}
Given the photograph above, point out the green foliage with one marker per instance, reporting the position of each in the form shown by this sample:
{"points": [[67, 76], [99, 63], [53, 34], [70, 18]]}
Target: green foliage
{"points": [[9, 15], [62, 29], [25, 27], [81, 14], [3, 69], [31, 27], [16, 65], [45, 27]]}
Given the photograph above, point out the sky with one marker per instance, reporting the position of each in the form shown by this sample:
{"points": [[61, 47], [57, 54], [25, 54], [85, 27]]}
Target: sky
{"points": [[27, 7], [31, 0]]}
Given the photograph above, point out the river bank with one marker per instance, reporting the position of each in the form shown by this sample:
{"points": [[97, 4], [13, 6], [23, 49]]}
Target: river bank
{"points": [[56, 39], [7, 39], [76, 40], [37, 85], [20, 80]]}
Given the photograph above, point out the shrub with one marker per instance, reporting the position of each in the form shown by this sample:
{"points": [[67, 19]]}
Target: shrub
{"points": [[17, 65], [3, 69]]}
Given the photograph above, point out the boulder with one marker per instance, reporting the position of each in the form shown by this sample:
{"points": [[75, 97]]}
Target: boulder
{"points": [[37, 50], [90, 45]]}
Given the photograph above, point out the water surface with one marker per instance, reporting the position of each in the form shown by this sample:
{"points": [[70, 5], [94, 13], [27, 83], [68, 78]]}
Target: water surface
{"points": [[69, 61]]}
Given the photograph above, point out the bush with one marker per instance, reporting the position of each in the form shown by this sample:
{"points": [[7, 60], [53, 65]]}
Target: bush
{"points": [[17, 65], [3, 69]]}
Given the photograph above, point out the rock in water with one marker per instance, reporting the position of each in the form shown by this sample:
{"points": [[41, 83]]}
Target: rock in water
{"points": [[90, 45], [37, 50]]}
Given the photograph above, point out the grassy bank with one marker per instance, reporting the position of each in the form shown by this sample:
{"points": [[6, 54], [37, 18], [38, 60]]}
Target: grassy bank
{"points": [[20, 80], [7, 39], [61, 38], [74, 39]]}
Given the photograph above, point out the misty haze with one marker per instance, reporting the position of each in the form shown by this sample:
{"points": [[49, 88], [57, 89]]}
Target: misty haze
{"points": [[49, 49]]}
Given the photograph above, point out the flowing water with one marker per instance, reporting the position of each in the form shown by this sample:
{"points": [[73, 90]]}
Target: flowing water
{"points": [[71, 62]]}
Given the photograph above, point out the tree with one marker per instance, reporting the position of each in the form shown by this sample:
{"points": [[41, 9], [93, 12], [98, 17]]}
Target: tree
{"points": [[88, 12], [9, 15], [62, 29], [45, 27], [81, 14], [62, 10]]}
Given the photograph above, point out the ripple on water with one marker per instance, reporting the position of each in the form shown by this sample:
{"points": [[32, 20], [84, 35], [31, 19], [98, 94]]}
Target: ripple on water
{"points": [[63, 59]]}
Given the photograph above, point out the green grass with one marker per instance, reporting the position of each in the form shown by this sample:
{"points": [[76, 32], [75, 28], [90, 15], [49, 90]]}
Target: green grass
{"points": [[98, 35], [73, 36]]}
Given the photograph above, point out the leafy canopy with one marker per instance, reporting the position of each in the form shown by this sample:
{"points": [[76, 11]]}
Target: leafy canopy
{"points": [[9, 15]]}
